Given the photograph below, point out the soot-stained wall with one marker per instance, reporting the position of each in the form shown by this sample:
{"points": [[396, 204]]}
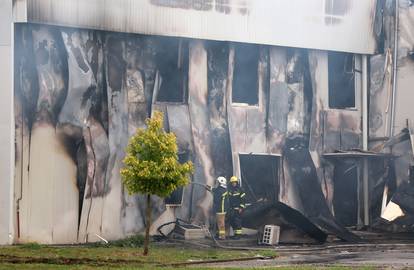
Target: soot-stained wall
{"points": [[80, 94]]}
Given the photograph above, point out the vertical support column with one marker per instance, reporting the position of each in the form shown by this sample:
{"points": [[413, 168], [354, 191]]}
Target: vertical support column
{"points": [[6, 123], [360, 194], [199, 117], [366, 191], [394, 70], [365, 137]]}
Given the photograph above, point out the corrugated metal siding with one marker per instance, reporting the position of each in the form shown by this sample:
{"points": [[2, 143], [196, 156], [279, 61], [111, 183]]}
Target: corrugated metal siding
{"points": [[341, 25]]}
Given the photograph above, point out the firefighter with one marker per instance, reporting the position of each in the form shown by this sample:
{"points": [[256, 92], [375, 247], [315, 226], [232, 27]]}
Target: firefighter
{"points": [[220, 205], [237, 205]]}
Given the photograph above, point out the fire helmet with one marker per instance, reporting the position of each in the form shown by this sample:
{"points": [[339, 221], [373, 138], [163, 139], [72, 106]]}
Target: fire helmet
{"points": [[234, 179], [222, 181]]}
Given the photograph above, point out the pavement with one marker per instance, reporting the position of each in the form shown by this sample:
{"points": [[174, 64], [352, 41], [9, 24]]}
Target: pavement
{"points": [[390, 259], [381, 251]]}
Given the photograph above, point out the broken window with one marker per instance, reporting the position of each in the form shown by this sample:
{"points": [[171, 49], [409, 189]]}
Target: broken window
{"points": [[341, 80], [172, 62], [245, 77], [176, 197], [345, 199], [259, 177]]}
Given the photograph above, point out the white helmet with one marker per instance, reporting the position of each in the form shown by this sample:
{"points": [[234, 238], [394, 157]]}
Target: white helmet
{"points": [[222, 181]]}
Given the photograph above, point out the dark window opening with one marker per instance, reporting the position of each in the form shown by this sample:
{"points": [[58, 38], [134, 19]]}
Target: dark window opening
{"points": [[345, 199], [245, 78], [259, 177], [341, 80], [172, 62], [176, 197]]}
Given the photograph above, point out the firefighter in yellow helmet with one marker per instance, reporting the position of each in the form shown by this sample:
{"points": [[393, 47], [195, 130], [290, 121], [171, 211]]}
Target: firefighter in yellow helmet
{"points": [[236, 205]]}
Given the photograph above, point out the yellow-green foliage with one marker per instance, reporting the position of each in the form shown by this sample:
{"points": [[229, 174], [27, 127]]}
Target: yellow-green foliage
{"points": [[151, 164]]}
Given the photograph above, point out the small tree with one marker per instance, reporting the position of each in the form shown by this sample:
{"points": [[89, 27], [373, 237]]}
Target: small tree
{"points": [[152, 167]]}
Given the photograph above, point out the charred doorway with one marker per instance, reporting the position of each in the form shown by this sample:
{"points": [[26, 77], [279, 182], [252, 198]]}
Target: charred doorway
{"points": [[345, 199], [260, 177]]}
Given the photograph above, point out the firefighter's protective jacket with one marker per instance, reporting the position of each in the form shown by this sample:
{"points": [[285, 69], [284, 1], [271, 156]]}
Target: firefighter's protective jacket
{"points": [[220, 200], [236, 197]]}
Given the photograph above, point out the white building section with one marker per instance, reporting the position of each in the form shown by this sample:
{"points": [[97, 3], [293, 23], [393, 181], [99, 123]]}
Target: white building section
{"points": [[6, 123], [338, 25]]}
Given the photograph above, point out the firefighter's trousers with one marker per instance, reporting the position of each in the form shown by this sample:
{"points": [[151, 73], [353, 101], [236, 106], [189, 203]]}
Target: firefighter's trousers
{"points": [[221, 225], [235, 221]]}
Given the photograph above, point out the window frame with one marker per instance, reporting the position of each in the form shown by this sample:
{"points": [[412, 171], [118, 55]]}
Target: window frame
{"points": [[356, 59], [184, 55], [257, 88]]}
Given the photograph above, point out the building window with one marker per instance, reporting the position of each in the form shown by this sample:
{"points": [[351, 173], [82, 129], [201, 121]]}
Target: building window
{"points": [[341, 80], [245, 77], [172, 62], [176, 197]]}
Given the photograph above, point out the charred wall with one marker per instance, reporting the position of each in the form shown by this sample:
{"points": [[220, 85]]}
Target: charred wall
{"points": [[390, 100], [403, 96], [80, 94]]}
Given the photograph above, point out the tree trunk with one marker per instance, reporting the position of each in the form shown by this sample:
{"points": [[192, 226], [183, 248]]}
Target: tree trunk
{"points": [[147, 224]]}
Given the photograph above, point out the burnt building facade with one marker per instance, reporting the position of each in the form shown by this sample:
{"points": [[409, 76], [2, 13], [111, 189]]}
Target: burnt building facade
{"points": [[316, 118]]}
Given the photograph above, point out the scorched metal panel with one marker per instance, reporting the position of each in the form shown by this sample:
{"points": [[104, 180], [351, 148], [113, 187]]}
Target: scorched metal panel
{"points": [[340, 25]]}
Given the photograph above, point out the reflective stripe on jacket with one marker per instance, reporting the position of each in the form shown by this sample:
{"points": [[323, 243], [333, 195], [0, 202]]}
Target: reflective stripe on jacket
{"points": [[220, 200], [236, 197]]}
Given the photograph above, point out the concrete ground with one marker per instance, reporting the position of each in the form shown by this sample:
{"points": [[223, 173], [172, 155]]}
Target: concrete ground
{"points": [[380, 252], [383, 259]]}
